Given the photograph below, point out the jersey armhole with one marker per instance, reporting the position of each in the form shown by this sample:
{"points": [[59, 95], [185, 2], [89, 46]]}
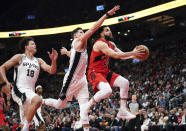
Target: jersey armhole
{"points": [[38, 62], [21, 61]]}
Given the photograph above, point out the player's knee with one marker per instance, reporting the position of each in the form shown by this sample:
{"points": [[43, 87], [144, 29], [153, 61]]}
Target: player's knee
{"points": [[108, 92], [123, 83], [37, 101], [126, 82]]}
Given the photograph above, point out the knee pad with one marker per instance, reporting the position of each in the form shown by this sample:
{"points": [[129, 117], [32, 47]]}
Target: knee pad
{"points": [[104, 91]]}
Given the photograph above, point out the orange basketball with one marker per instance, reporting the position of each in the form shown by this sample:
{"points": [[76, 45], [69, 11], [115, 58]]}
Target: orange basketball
{"points": [[146, 53]]}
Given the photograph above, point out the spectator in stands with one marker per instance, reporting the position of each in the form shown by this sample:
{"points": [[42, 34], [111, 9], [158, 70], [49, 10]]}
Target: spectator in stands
{"points": [[145, 103], [172, 121], [179, 115], [183, 121], [78, 125], [161, 102], [94, 124], [146, 122], [162, 121]]}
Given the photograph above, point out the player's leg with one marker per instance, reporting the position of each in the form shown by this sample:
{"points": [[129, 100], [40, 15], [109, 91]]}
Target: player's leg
{"points": [[84, 116], [104, 92], [123, 84], [24, 101], [36, 102], [83, 96], [39, 121], [56, 103]]}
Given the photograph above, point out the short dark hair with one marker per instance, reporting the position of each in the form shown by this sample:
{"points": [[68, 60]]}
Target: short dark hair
{"points": [[75, 31], [24, 42], [100, 30]]}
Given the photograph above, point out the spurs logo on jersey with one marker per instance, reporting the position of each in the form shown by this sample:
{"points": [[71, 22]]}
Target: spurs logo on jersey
{"points": [[26, 73]]}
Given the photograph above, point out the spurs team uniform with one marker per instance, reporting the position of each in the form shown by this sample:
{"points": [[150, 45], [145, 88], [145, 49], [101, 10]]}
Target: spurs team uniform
{"points": [[38, 119], [75, 81], [98, 68], [25, 77]]}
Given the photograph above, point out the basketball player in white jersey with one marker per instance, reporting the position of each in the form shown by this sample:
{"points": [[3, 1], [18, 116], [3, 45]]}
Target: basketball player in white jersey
{"points": [[38, 119], [75, 82], [27, 68]]}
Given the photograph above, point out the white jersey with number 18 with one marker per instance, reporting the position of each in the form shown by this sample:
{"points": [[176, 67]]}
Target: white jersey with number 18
{"points": [[26, 73]]}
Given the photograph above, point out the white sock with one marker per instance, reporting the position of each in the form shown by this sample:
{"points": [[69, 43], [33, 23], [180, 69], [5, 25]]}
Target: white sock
{"points": [[90, 103], [58, 104], [124, 87], [123, 104], [26, 126], [86, 128], [123, 84]]}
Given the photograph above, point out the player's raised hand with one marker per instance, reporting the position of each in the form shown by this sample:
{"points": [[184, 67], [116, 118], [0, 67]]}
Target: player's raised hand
{"points": [[113, 10], [54, 55], [63, 51]]}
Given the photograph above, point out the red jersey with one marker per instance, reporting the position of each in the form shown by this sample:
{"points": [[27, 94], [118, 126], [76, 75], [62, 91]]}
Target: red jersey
{"points": [[98, 60], [1, 105]]}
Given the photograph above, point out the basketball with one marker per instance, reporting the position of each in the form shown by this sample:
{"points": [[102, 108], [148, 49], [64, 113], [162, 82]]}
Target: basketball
{"points": [[145, 55]]}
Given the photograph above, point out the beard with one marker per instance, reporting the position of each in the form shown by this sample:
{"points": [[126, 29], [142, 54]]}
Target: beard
{"points": [[109, 38]]}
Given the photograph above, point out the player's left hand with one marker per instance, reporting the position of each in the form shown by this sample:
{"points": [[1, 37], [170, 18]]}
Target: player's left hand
{"points": [[54, 55], [113, 10], [6, 89], [63, 51]]}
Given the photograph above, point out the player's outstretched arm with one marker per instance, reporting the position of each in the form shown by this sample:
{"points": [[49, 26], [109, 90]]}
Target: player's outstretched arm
{"points": [[14, 61], [116, 49], [64, 51], [99, 23], [103, 47], [49, 68]]}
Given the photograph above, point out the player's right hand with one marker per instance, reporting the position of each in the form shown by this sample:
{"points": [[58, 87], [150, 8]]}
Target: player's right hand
{"points": [[54, 55], [63, 51], [113, 10], [7, 90], [138, 52]]}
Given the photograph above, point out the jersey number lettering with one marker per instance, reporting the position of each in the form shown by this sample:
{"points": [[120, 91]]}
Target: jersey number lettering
{"points": [[30, 73]]}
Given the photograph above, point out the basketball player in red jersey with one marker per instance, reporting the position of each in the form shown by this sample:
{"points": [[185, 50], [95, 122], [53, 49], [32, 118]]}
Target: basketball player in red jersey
{"points": [[102, 78]]}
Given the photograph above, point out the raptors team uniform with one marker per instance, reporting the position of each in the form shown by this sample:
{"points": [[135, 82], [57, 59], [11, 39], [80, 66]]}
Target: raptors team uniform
{"points": [[98, 68], [75, 82], [25, 77]]}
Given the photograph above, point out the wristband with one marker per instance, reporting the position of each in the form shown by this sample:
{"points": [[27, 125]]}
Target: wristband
{"points": [[107, 14]]}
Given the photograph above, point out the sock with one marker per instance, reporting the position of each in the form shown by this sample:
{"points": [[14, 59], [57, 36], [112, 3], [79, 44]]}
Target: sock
{"points": [[123, 84], [123, 104], [90, 103], [26, 126]]}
